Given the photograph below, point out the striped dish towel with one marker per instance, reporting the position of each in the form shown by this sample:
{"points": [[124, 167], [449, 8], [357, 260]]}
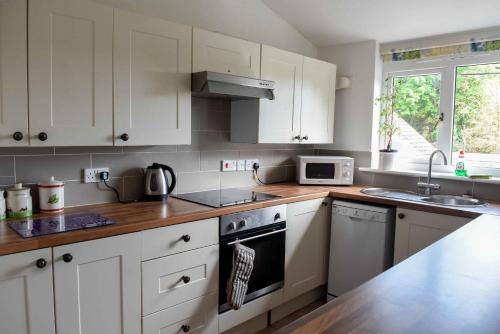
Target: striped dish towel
{"points": [[237, 285]]}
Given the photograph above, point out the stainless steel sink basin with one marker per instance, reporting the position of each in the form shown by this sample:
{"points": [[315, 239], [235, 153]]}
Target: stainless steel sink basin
{"points": [[392, 193], [445, 200], [450, 200]]}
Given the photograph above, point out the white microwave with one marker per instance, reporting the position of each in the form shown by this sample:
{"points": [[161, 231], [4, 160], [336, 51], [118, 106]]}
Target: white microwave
{"points": [[326, 170]]}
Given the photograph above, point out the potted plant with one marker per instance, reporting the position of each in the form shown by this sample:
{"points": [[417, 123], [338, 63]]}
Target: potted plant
{"points": [[388, 127]]}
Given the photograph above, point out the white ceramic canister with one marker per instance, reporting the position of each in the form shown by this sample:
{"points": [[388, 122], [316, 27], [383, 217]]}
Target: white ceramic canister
{"points": [[2, 206], [51, 195], [19, 204]]}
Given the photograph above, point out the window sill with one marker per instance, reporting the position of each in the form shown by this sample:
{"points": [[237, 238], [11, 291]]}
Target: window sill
{"points": [[435, 175]]}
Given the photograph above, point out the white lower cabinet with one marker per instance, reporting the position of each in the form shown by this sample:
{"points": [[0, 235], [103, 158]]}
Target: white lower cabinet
{"points": [[26, 294], [180, 278], [307, 245], [171, 280], [198, 316], [416, 230], [98, 286]]}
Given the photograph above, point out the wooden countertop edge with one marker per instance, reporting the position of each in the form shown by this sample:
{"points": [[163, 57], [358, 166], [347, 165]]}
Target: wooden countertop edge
{"points": [[200, 212]]}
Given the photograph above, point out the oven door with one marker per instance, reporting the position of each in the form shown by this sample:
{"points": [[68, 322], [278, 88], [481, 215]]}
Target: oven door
{"points": [[268, 272]]}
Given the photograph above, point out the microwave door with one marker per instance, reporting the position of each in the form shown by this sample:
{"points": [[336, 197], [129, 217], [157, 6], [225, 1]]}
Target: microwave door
{"points": [[321, 171]]}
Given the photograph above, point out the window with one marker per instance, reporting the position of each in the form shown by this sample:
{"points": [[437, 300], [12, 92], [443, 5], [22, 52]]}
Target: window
{"points": [[476, 123], [417, 105], [448, 104]]}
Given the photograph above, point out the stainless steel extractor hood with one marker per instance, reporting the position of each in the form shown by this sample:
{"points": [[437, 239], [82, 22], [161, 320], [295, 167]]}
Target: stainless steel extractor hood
{"points": [[221, 85]]}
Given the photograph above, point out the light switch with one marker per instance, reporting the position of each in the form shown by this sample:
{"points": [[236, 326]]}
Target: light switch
{"points": [[228, 165]]}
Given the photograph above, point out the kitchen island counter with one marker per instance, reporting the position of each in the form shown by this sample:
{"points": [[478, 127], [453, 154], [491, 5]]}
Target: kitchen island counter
{"points": [[451, 286]]}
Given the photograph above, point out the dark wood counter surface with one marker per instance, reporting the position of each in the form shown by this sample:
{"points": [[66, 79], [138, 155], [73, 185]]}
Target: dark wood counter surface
{"points": [[140, 216], [452, 286]]}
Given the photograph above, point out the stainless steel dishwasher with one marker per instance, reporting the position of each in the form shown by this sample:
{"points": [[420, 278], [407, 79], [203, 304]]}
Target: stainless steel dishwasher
{"points": [[361, 244]]}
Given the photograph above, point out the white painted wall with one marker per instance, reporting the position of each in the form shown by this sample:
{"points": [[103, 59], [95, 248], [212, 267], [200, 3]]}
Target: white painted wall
{"points": [[247, 19], [354, 108]]}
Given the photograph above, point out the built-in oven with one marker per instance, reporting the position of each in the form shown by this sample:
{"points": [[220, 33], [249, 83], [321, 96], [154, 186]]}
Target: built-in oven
{"points": [[263, 230]]}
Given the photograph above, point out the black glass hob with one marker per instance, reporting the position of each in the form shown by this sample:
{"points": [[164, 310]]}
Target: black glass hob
{"points": [[225, 197]]}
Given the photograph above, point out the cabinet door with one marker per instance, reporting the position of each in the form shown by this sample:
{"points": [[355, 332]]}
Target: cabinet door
{"points": [[279, 120], [26, 295], [70, 71], [307, 245], [98, 289], [224, 54], [13, 73], [416, 230], [152, 76], [198, 316], [318, 101]]}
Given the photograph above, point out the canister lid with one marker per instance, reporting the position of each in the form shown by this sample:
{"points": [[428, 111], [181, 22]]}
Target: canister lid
{"points": [[52, 183], [17, 187]]}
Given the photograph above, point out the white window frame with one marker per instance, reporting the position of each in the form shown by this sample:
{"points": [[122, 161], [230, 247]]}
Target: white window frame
{"points": [[446, 66]]}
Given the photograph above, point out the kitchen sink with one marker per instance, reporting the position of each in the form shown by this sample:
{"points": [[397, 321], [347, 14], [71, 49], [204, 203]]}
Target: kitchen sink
{"points": [[445, 200], [392, 193], [450, 200]]}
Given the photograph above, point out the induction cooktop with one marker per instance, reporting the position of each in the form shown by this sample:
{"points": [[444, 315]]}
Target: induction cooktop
{"points": [[225, 197]]}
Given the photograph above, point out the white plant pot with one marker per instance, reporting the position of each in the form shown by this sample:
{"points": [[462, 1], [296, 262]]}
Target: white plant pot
{"points": [[387, 160]]}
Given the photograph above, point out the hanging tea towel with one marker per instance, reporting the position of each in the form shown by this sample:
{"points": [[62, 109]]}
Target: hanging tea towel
{"points": [[237, 285]]}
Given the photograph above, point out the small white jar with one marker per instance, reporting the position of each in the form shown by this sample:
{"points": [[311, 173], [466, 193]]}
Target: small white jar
{"points": [[19, 203], [51, 195], [2, 206]]}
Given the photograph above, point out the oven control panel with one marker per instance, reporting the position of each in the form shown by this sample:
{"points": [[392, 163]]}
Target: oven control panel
{"points": [[247, 220]]}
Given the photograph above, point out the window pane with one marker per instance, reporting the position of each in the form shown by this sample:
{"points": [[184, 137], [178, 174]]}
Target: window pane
{"points": [[477, 114], [417, 104]]}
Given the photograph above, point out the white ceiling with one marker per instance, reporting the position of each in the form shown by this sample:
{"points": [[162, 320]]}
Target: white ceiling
{"points": [[327, 22]]}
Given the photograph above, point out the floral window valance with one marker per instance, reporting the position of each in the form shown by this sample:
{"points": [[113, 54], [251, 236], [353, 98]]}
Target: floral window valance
{"points": [[442, 51]]}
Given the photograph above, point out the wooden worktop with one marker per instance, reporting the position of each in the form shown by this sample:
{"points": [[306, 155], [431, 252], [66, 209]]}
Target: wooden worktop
{"points": [[451, 286], [140, 216]]}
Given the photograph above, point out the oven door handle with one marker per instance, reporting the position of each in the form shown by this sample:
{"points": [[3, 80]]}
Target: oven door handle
{"points": [[237, 241]]}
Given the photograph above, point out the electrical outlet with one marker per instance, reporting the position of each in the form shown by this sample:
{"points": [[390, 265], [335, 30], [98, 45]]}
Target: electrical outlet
{"points": [[249, 163], [91, 175], [240, 165], [228, 165]]}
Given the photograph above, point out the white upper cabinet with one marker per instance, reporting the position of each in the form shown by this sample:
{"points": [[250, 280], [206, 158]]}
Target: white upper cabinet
{"points": [[152, 78], [279, 120], [224, 54], [318, 101], [98, 286], [70, 73], [13, 74], [26, 293]]}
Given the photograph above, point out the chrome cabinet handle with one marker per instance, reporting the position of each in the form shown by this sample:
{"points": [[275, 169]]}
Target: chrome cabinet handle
{"points": [[237, 241]]}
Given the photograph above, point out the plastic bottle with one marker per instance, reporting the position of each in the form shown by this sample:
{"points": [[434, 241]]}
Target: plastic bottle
{"points": [[460, 169]]}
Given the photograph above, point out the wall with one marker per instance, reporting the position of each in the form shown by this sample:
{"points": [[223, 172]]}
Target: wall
{"points": [[251, 20], [354, 107], [197, 166]]}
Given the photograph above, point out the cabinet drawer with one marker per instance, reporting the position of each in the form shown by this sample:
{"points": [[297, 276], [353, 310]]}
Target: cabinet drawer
{"points": [[169, 240], [174, 279], [199, 314]]}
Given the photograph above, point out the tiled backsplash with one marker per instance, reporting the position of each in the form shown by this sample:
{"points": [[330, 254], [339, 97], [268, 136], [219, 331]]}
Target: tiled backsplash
{"points": [[197, 166]]}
